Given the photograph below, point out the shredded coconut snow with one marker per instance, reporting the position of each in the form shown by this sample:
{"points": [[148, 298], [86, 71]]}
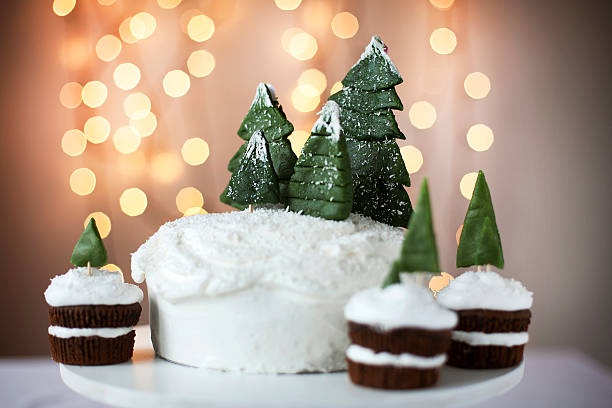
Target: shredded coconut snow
{"points": [[329, 120], [257, 145], [262, 97], [376, 48]]}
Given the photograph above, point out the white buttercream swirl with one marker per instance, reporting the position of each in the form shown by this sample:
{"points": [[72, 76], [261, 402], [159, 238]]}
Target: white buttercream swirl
{"points": [[367, 356], [106, 332], [491, 339]]}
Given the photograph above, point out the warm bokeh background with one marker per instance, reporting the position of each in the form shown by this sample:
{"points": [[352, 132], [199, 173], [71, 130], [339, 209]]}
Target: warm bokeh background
{"points": [[549, 110]]}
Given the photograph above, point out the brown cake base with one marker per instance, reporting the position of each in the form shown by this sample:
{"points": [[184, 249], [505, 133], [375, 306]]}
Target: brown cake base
{"points": [[493, 321], [95, 316], [390, 377], [480, 357], [92, 350]]}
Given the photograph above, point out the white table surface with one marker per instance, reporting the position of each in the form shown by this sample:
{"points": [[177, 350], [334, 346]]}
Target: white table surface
{"points": [[553, 378]]}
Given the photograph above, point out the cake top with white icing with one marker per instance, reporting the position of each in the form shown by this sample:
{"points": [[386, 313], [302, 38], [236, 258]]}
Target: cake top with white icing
{"points": [[102, 287], [404, 305], [485, 290], [215, 254]]}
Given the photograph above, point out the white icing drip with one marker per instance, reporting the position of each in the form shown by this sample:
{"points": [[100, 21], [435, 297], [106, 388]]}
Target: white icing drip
{"points": [[106, 332], [257, 145], [485, 290], [77, 287], [367, 356], [329, 120], [214, 254], [376, 48], [262, 97], [491, 339], [400, 305]]}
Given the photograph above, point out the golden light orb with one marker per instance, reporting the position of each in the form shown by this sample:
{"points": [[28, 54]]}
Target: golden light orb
{"points": [[137, 28], [314, 78], [467, 183], [97, 129], [413, 158], [287, 4], [194, 211], [176, 83], [443, 41], [345, 25], [442, 4], [94, 94], [298, 139], [480, 137], [303, 46], [422, 115], [195, 151], [200, 28], [143, 25], [189, 197], [103, 223], [106, 2], [125, 31], [186, 16], [166, 167], [108, 47], [336, 87], [144, 126], [305, 98], [200, 63], [70, 95], [133, 201], [63, 7], [477, 85], [286, 37], [137, 105], [126, 76], [74, 142], [168, 4], [83, 181], [126, 140]]}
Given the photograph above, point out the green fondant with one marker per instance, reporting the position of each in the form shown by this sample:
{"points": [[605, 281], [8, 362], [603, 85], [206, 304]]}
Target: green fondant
{"points": [[393, 276], [310, 191], [323, 161], [378, 125], [322, 145], [381, 201], [374, 70], [321, 208], [89, 248], [234, 162], [378, 160], [367, 102], [322, 176]]}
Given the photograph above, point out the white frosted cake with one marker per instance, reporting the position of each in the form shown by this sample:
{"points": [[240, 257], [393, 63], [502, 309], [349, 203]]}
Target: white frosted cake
{"points": [[259, 292]]}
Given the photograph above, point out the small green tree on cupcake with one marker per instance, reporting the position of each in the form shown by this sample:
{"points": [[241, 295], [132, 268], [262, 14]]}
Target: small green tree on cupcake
{"points": [[255, 181], [419, 253], [480, 243], [89, 250]]}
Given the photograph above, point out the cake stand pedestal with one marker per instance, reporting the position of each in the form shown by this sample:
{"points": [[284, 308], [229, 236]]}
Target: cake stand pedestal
{"points": [[153, 382]]}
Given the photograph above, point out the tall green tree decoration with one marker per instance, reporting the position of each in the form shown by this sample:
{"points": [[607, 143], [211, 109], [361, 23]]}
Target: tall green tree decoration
{"points": [[255, 181], [367, 102], [89, 249], [321, 185], [419, 251], [480, 243], [267, 115]]}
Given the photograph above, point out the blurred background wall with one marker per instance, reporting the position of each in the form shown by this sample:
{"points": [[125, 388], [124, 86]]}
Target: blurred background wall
{"points": [[548, 108]]}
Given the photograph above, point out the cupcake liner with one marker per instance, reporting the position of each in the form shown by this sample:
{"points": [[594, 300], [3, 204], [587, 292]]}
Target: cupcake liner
{"points": [[391, 377], [421, 342], [95, 316], [465, 356], [92, 350], [493, 321]]}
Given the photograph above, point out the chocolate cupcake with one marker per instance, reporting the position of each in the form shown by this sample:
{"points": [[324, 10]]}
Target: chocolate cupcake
{"points": [[494, 316], [92, 317], [399, 337]]}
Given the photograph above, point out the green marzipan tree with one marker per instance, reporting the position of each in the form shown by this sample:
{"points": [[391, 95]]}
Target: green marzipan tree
{"points": [[255, 181], [367, 102], [267, 115], [480, 243], [89, 248], [419, 251], [321, 184]]}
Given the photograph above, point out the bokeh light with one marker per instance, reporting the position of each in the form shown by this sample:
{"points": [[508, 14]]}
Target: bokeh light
{"points": [[125, 32], [413, 158], [107, 2], [70, 95], [298, 140], [97, 129], [200, 28], [94, 94], [314, 78], [126, 76], [458, 233], [168, 4], [480, 137], [137, 105], [108, 47], [74, 142], [63, 7], [143, 25], [176, 83], [126, 140], [303, 46], [74, 53], [189, 197], [83, 181], [345, 25], [422, 115], [194, 211], [443, 41], [200, 63], [305, 98], [103, 223], [336, 87], [286, 37], [166, 167], [132, 165], [137, 28], [477, 85], [442, 4], [133, 201], [287, 4], [186, 16], [467, 183], [195, 151], [144, 126]]}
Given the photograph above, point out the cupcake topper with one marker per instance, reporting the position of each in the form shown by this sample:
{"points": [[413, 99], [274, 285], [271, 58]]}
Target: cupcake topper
{"points": [[419, 251], [480, 243], [89, 250]]}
